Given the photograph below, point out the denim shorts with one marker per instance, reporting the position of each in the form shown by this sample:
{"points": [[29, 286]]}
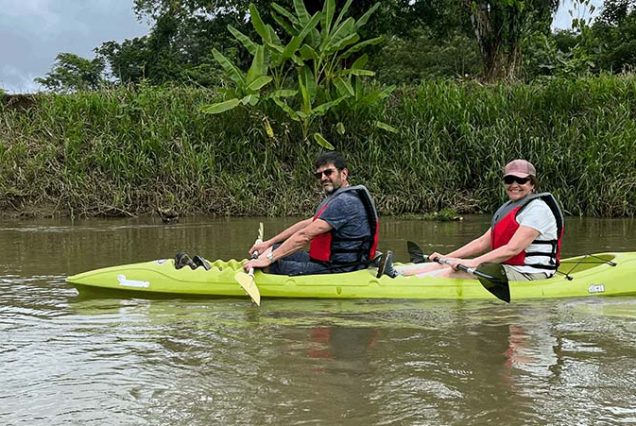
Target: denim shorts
{"points": [[298, 263]]}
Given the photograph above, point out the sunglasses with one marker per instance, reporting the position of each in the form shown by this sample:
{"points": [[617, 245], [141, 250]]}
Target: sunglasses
{"points": [[509, 180], [326, 172]]}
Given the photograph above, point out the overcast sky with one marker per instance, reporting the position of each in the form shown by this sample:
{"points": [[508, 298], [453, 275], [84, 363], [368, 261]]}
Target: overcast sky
{"points": [[33, 32]]}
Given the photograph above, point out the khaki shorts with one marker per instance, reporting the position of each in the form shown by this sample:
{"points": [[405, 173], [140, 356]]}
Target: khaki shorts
{"points": [[514, 275]]}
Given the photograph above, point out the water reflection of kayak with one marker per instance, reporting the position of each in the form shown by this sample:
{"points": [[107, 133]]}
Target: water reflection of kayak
{"points": [[605, 274]]}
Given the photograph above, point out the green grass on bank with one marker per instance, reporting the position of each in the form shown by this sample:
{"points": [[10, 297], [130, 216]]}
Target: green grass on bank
{"points": [[129, 151]]}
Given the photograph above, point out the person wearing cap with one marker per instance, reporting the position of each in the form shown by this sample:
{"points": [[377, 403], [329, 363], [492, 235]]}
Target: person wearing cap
{"points": [[525, 234]]}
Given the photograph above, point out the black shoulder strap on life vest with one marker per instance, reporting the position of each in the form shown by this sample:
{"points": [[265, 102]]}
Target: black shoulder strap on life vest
{"points": [[503, 211], [372, 215], [552, 203]]}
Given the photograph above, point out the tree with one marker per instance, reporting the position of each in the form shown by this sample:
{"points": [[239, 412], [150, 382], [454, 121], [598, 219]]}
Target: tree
{"points": [[72, 72], [615, 11], [499, 26], [614, 34]]}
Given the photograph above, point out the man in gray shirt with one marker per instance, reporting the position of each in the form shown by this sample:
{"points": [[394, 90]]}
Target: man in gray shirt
{"points": [[342, 235]]}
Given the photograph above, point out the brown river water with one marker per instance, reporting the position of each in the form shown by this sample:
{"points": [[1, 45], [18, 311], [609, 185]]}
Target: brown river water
{"points": [[68, 359]]}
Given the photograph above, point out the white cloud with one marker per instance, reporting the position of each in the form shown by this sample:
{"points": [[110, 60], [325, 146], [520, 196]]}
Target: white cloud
{"points": [[33, 32]]}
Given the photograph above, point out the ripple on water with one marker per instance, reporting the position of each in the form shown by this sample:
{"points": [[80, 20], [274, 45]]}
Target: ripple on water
{"points": [[223, 361]]}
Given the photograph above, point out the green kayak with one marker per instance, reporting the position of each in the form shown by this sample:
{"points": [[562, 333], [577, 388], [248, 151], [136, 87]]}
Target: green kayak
{"points": [[603, 274]]}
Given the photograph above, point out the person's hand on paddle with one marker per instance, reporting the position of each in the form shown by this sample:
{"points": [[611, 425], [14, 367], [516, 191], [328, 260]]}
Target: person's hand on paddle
{"points": [[433, 257], [258, 263], [469, 263], [259, 247]]}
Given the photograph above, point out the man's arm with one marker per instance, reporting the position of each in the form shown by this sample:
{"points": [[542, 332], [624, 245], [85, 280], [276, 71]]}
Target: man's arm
{"points": [[282, 236], [301, 238], [291, 245]]}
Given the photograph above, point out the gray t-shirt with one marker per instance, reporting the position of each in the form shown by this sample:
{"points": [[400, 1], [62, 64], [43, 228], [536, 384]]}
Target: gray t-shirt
{"points": [[348, 218]]}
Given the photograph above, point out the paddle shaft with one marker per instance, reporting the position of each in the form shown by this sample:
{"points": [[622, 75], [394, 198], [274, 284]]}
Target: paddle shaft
{"points": [[472, 271], [498, 287]]}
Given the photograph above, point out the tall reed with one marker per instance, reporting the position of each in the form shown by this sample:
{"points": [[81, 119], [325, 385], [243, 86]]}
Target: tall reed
{"points": [[129, 151]]}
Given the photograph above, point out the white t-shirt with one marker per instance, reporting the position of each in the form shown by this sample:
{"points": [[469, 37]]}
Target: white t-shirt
{"points": [[537, 215]]}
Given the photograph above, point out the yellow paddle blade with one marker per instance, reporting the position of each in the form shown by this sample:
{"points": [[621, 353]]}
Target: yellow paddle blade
{"points": [[246, 281]]}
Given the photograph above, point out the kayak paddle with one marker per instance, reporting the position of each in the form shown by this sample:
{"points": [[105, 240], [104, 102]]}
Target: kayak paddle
{"points": [[246, 280], [491, 275], [416, 253]]}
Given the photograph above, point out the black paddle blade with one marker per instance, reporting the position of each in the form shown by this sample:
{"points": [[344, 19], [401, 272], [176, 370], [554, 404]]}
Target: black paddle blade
{"points": [[416, 253], [493, 277]]}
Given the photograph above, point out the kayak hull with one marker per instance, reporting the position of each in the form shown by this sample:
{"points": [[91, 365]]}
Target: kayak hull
{"points": [[160, 277]]}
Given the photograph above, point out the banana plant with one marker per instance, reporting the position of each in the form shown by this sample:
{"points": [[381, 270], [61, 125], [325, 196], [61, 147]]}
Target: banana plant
{"points": [[327, 50], [247, 86], [362, 97], [309, 74]]}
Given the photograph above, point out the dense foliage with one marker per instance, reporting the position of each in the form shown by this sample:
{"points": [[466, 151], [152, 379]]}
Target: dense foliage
{"points": [[132, 150], [184, 34], [564, 100]]}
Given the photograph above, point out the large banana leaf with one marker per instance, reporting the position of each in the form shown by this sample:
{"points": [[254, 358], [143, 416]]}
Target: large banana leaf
{"points": [[343, 87], [342, 13], [259, 83], [308, 52], [295, 42], [220, 106], [283, 105], [259, 25], [230, 69], [364, 18], [328, 12], [289, 29], [258, 68], [284, 12], [301, 12], [323, 108], [358, 47], [245, 40], [250, 100], [309, 80], [320, 140], [342, 43], [346, 29]]}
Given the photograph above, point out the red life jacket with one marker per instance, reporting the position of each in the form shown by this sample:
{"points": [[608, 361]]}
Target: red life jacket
{"points": [[321, 247], [505, 225]]}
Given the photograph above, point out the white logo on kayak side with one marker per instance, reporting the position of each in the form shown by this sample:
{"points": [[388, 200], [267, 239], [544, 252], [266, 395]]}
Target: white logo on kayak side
{"points": [[596, 288], [132, 283]]}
